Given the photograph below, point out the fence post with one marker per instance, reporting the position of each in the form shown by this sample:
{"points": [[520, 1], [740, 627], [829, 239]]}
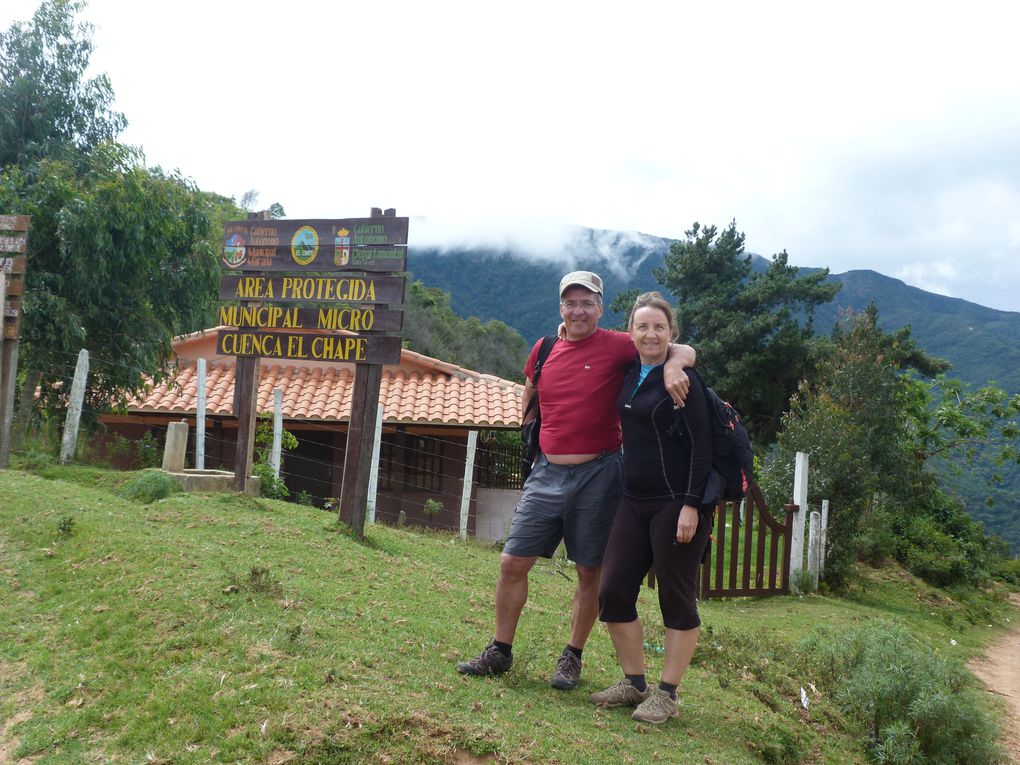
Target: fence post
{"points": [[274, 455], [814, 537], [825, 536], [373, 475], [469, 470], [800, 498], [81, 373], [200, 417]]}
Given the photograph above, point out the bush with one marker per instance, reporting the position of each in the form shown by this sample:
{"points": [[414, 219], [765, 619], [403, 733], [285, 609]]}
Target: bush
{"points": [[270, 486], [915, 707], [149, 486], [149, 452]]}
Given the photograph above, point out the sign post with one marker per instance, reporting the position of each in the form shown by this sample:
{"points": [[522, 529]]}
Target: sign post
{"points": [[13, 249], [318, 291]]}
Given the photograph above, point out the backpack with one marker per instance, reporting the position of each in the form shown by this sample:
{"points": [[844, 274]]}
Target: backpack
{"points": [[732, 456], [530, 428]]}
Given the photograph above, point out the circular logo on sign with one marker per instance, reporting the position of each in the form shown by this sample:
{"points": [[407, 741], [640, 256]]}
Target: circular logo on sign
{"points": [[234, 252], [304, 245]]}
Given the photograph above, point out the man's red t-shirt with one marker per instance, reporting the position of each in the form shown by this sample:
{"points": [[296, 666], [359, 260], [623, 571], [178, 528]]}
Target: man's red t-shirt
{"points": [[578, 388]]}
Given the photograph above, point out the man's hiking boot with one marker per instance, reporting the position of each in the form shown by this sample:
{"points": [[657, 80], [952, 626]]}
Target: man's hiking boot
{"points": [[568, 672], [657, 708], [623, 694], [491, 661]]}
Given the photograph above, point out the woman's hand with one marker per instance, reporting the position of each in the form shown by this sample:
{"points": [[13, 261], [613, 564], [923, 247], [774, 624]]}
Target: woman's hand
{"points": [[687, 525]]}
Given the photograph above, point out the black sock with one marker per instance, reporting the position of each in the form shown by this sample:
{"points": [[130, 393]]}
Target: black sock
{"points": [[639, 682], [504, 648], [575, 651], [668, 688]]}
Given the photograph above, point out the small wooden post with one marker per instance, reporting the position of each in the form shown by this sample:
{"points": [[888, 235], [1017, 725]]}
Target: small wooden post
{"points": [[13, 259], [357, 462], [70, 440], [373, 474], [814, 537], [274, 456], [469, 471], [200, 417], [246, 382]]}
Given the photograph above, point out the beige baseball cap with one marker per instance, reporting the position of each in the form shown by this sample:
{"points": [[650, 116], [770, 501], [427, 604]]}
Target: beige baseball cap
{"points": [[590, 281]]}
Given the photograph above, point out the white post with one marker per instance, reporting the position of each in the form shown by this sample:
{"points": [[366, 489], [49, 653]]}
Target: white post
{"points": [[81, 373], [814, 537], [800, 498], [825, 536], [373, 472], [277, 429], [200, 417], [469, 471]]}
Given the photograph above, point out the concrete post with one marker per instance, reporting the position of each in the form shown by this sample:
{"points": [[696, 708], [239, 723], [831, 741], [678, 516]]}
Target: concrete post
{"points": [[176, 446], [200, 418], [469, 472], [825, 536], [814, 539], [373, 475], [73, 418], [800, 498], [274, 455]]}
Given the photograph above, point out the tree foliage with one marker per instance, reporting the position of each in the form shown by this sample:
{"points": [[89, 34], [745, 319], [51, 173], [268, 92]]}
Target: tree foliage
{"points": [[48, 108], [752, 330], [431, 327], [871, 427], [120, 259]]}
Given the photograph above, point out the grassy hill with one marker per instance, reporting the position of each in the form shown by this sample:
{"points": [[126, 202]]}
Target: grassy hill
{"points": [[218, 628]]}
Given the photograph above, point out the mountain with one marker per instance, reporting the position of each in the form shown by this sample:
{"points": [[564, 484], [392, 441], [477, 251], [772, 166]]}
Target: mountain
{"points": [[519, 288]]}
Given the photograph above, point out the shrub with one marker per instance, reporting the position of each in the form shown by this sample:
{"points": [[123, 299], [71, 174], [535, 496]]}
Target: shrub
{"points": [[915, 706], [270, 486], [149, 486], [149, 455]]}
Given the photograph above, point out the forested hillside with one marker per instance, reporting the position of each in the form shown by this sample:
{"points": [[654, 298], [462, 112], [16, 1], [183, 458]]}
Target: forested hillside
{"points": [[982, 344]]}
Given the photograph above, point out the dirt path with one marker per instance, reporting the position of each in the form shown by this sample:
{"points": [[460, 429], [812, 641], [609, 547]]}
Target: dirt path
{"points": [[999, 670]]}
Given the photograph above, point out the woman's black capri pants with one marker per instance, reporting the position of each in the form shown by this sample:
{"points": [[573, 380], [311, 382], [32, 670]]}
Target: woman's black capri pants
{"points": [[644, 533]]}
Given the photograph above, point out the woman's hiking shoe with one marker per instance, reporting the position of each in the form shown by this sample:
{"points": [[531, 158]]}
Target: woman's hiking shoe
{"points": [[657, 708], [623, 694], [491, 661], [568, 672]]}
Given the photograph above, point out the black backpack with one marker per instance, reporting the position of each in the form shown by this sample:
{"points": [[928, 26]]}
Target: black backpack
{"points": [[732, 456], [530, 428]]}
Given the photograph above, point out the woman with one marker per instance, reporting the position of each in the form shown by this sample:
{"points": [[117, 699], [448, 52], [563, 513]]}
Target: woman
{"points": [[660, 518]]}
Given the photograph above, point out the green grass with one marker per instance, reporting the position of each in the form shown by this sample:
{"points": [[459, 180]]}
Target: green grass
{"points": [[219, 628]]}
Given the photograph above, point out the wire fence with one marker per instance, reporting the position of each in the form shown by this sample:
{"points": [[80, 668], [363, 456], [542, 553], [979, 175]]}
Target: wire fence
{"points": [[413, 468]]}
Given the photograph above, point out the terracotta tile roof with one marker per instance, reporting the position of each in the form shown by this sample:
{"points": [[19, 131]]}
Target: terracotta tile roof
{"points": [[421, 390]]}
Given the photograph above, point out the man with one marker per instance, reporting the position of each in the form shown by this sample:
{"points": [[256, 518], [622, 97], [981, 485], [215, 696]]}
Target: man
{"points": [[575, 484]]}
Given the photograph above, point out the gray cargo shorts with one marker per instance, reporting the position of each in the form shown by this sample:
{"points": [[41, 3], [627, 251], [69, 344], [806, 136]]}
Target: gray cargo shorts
{"points": [[572, 503]]}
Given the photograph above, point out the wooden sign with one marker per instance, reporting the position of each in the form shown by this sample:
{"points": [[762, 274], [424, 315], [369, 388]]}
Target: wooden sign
{"points": [[15, 265], [366, 318], [13, 244], [16, 223], [356, 288], [359, 349], [363, 244]]}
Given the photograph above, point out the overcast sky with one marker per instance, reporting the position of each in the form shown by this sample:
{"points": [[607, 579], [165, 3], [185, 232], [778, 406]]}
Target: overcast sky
{"points": [[881, 135]]}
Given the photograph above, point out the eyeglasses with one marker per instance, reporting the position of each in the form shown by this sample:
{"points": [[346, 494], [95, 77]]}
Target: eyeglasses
{"points": [[584, 305]]}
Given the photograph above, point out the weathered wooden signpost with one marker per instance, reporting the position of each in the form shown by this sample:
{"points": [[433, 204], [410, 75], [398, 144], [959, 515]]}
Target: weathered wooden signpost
{"points": [[298, 289], [13, 246]]}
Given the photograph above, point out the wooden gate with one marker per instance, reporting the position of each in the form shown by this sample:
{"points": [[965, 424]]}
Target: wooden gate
{"points": [[737, 562]]}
